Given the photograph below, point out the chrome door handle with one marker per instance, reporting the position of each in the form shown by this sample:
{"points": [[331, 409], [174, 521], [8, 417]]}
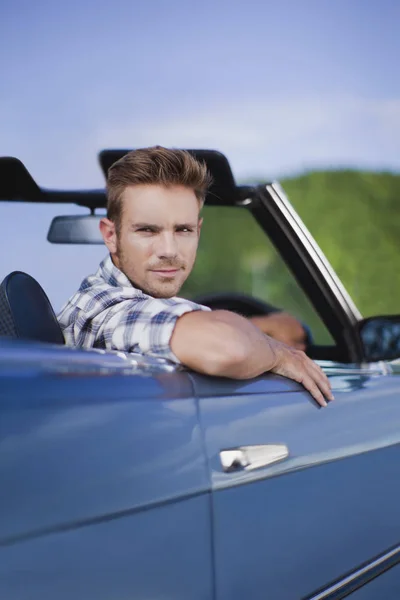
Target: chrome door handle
{"points": [[248, 458]]}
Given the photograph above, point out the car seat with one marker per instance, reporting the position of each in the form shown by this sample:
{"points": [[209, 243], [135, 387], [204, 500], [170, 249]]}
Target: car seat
{"points": [[26, 312]]}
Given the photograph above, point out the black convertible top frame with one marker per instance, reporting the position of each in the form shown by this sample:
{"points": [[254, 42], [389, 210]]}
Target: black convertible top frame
{"points": [[18, 185]]}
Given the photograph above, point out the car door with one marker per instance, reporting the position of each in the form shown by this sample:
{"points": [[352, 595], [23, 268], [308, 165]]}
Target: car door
{"points": [[327, 506], [104, 491]]}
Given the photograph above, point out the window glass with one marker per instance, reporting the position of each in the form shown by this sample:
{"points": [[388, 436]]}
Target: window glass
{"points": [[355, 219], [235, 255]]}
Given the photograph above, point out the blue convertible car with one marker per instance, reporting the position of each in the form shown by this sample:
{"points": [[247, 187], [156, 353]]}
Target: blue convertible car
{"points": [[125, 477]]}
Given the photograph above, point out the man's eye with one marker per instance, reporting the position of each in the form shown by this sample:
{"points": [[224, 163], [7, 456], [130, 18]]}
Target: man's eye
{"points": [[185, 229], [146, 230]]}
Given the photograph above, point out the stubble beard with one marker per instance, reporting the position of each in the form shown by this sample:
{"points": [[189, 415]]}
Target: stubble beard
{"points": [[163, 290]]}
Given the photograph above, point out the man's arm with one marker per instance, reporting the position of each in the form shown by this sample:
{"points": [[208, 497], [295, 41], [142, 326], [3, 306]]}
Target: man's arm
{"points": [[225, 344]]}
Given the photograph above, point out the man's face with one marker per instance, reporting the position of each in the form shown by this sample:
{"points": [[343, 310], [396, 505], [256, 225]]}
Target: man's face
{"points": [[157, 242]]}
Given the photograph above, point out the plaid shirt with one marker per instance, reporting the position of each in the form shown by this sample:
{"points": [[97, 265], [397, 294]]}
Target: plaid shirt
{"points": [[108, 312]]}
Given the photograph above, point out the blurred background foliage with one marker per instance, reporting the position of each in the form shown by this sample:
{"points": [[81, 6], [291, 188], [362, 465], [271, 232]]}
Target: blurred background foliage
{"points": [[354, 217]]}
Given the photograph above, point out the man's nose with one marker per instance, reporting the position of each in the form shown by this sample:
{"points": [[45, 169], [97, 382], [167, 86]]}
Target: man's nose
{"points": [[166, 247]]}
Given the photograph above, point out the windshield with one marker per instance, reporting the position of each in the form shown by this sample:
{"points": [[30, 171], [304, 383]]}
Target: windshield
{"points": [[355, 218], [235, 255]]}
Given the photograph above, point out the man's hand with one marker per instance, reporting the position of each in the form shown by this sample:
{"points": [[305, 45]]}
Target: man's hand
{"points": [[296, 365], [282, 327]]}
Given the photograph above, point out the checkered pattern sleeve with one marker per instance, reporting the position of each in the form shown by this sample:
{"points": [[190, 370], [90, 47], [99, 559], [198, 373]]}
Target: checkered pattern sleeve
{"points": [[111, 320]]}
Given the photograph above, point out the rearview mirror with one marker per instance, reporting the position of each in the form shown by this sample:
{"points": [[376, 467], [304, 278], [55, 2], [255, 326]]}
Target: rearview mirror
{"points": [[380, 337], [75, 229]]}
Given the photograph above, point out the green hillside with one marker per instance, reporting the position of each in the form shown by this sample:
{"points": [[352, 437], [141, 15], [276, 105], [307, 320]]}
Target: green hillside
{"points": [[355, 218]]}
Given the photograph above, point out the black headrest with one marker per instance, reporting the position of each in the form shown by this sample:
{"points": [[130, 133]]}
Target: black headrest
{"points": [[26, 312], [223, 190]]}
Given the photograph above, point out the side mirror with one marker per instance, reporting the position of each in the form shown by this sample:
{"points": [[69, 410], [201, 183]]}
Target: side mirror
{"points": [[380, 337], [75, 229]]}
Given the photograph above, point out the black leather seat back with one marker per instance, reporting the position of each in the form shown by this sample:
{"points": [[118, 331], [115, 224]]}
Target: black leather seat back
{"points": [[26, 312]]}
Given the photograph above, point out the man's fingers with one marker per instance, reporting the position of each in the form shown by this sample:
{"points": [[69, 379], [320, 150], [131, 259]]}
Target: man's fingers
{"points": [[327, 391], [314, 390], [323, 381], [316, 382]]}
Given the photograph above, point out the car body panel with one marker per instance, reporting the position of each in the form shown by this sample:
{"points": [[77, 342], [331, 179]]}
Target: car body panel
{"points": [[96, 464], [164, 553], [331, 505], [113, 449]]}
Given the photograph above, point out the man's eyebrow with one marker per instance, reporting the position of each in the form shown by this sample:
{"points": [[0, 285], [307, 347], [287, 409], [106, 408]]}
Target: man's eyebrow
{"points": [[144, 225], [187, 225], [158, 227]]}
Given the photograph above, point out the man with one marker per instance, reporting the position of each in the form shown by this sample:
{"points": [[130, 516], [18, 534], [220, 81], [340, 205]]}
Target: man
{"points": [[152, 232]]}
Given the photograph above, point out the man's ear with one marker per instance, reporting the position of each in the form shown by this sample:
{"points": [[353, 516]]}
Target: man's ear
{"points": [[107, 229]]}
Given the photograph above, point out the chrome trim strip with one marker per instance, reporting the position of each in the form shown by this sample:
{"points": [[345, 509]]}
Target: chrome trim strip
{"points": [[375, 368], [350, 581], [277, 193]]}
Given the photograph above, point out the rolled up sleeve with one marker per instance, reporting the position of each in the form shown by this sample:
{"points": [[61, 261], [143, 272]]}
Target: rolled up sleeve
{"points": [[144, 326]]}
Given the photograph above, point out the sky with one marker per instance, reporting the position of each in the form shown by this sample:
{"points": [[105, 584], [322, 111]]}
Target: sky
{"points": [[279, 87]]}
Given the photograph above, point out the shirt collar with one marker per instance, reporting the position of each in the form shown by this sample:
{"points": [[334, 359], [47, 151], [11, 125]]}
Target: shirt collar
{"points": [[112, 275]]}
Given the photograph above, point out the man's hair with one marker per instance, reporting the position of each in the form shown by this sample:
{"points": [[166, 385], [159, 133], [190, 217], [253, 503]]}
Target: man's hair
{"points": [[157, 166]]}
